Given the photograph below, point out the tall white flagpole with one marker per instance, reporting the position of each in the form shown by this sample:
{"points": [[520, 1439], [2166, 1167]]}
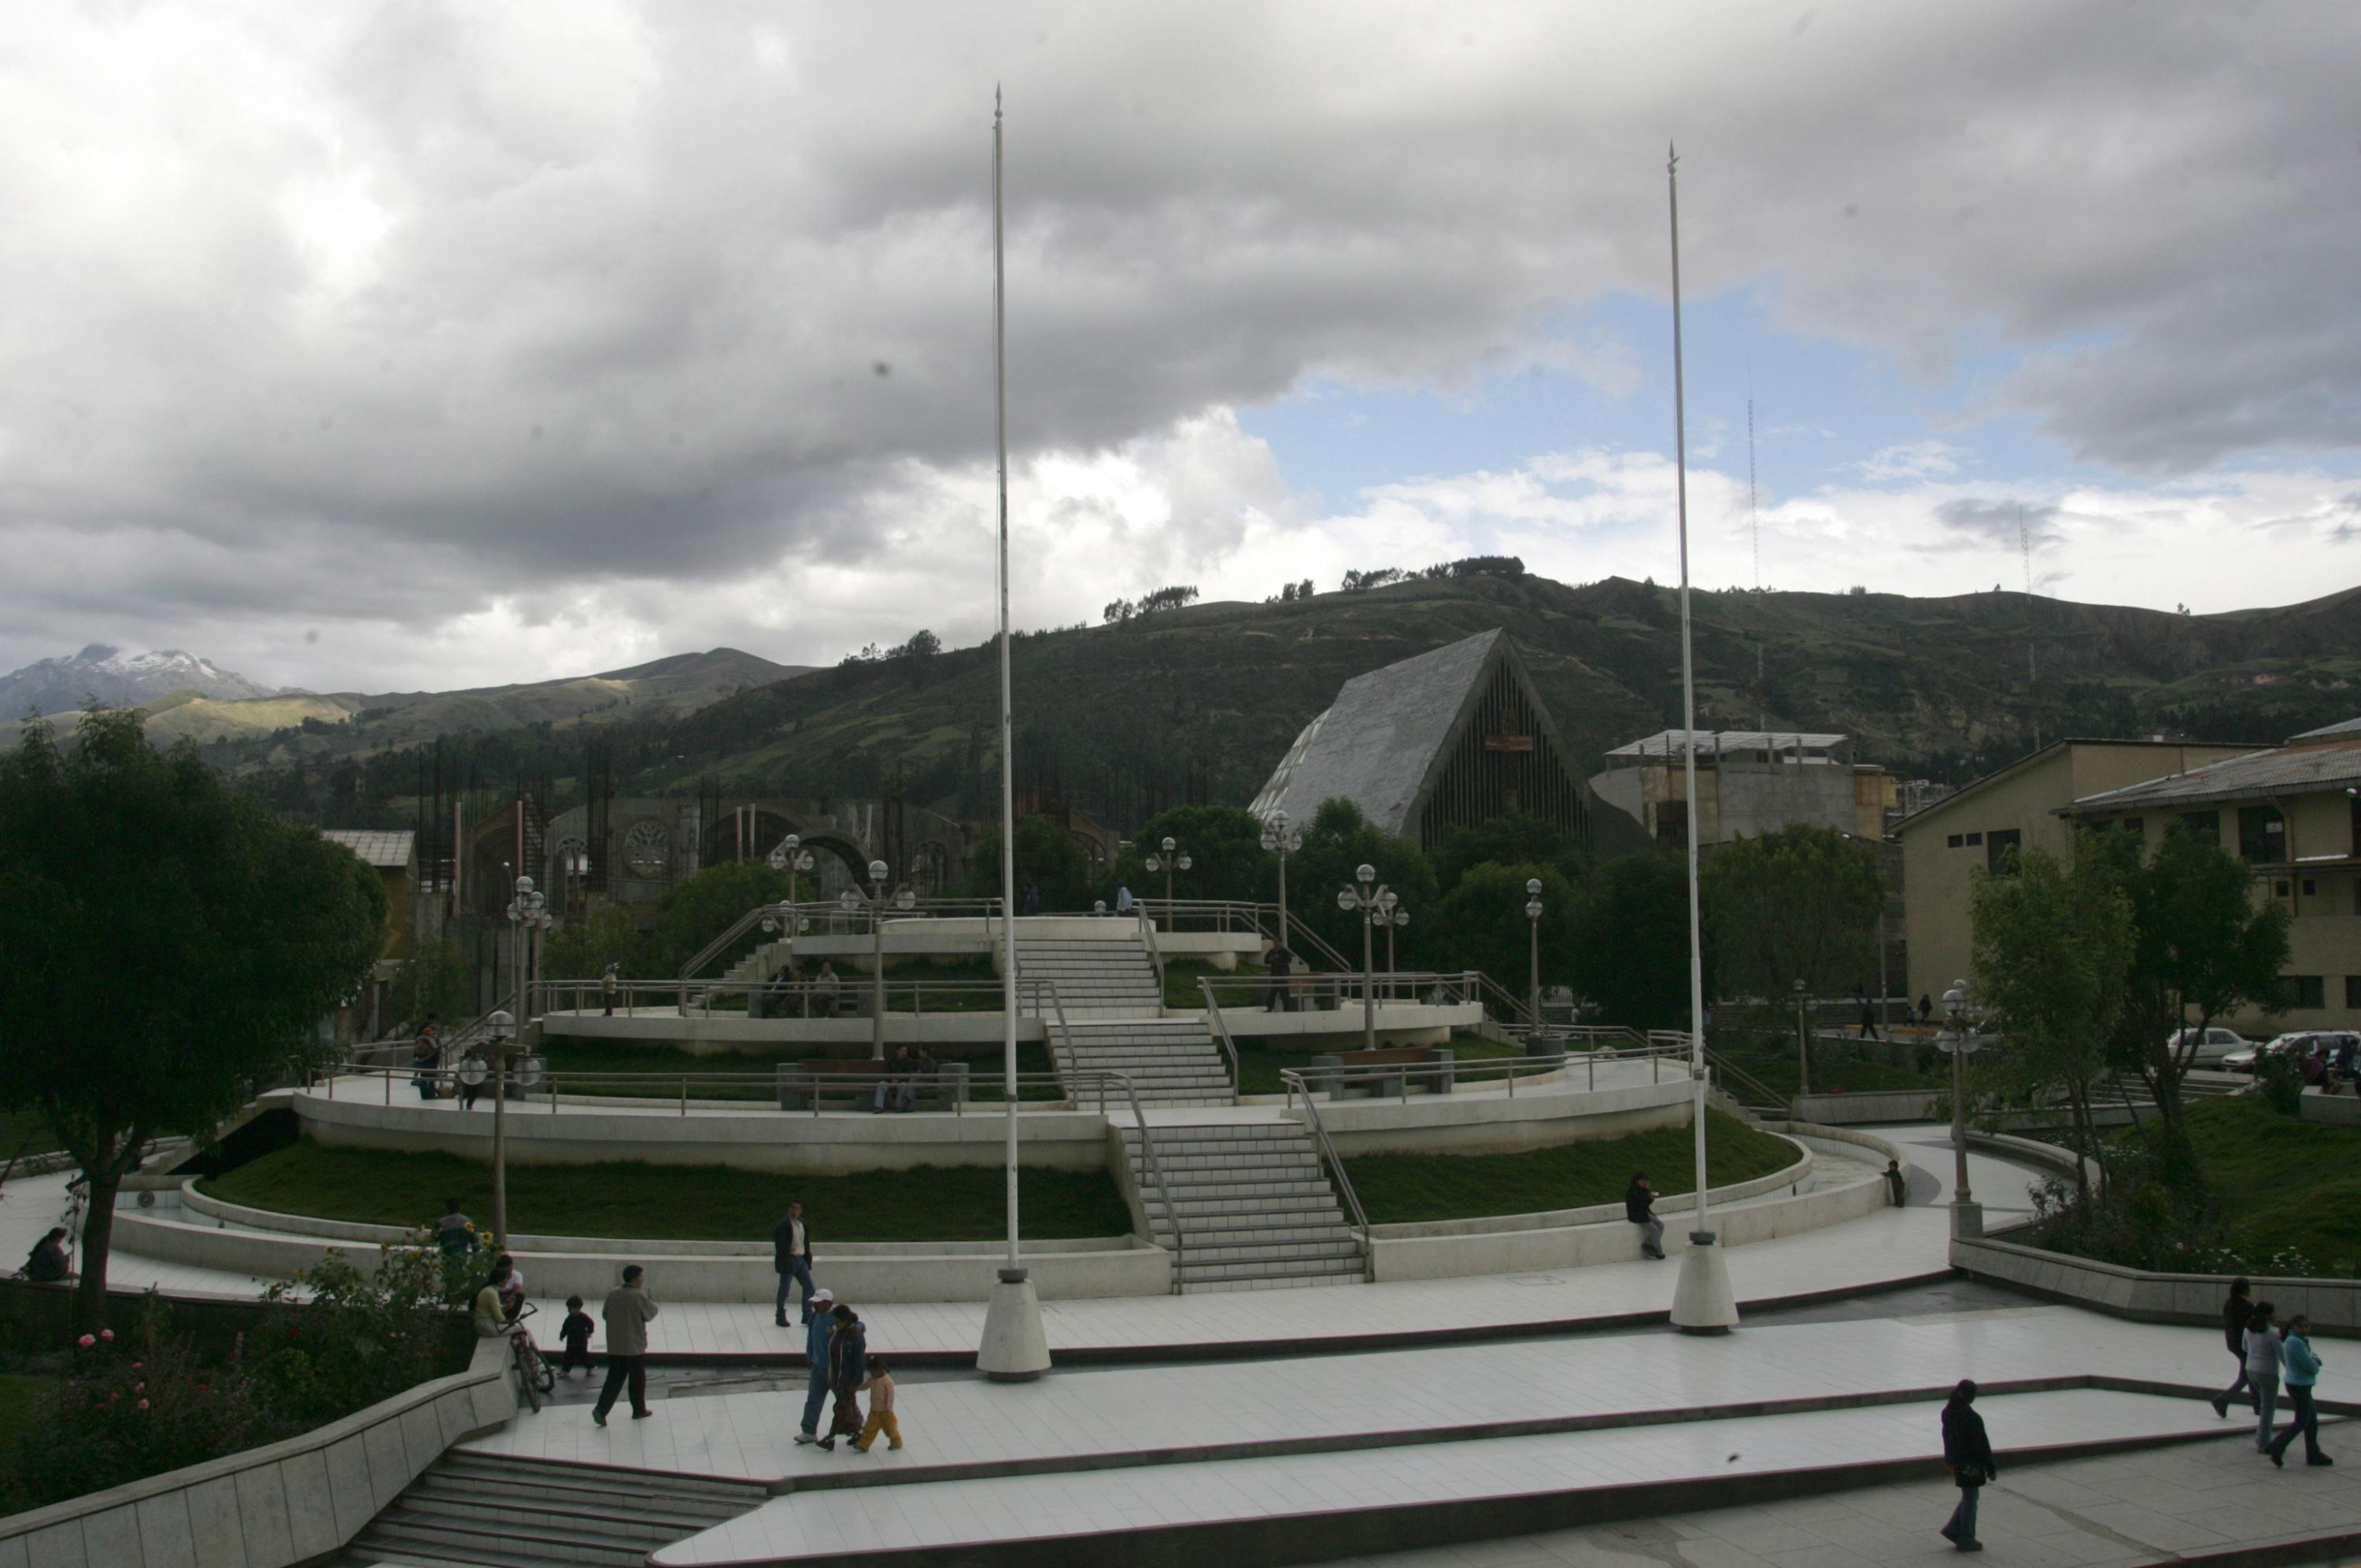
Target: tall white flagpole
{"points": [[1702, 1299], [1014, 1345]]}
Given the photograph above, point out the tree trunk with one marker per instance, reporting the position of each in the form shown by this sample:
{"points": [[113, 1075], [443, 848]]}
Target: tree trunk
{"points": [[97, 1233], [2078, 1098]]}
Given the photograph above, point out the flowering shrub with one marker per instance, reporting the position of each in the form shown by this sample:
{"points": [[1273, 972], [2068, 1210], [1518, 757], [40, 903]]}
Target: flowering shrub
{"points": [[350, 1339]]}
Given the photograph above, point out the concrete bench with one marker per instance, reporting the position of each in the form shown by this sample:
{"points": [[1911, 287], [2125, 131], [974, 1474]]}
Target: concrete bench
{"points": [[1388, 1074], [810, 1085]]}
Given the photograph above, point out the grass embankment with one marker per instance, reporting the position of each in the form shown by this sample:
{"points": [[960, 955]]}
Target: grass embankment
{"points": [[1835, 1070], [661, 1202], [708, 1075], [1399, 1188], [18, 1392], [2279, 1184]]}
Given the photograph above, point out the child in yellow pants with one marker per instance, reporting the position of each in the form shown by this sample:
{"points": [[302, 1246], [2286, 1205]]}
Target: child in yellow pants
{"points": [[879, 1387]]}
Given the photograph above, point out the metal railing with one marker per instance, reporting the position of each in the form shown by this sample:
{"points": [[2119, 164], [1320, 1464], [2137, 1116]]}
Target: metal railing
{"points": [[849, 998], [1480, 1072], [1343, 1177], [1221, 1033], [1731, 1074], [1156, 953]]}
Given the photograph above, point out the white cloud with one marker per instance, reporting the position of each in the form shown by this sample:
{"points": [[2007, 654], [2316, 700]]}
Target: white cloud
{"points": [[1924, 459]]}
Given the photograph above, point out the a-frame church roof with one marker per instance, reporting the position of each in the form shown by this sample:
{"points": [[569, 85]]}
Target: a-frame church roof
{"points": [[1384, 740]]}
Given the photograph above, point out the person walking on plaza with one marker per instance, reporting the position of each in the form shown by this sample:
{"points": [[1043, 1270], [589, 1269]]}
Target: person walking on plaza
{"points": [[576, 1332], [1639, 1207], [2302, 1368], [791, 1256], [1280, 964], [628, 1310], [2262, 1342], [426, 1060], [610, 982], [1032, 898], [848, 1368], [1868, 1014], [1967, 1453], [2237, 1309], [819, 1325], [879, 1387], [475, 1077], [1122, 899], [1926, 1007]]}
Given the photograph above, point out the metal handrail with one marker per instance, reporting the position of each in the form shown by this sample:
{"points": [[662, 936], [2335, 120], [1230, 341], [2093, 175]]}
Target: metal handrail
{"points": [[1155, 1169], [1294, 1082], [1154, 952], [1222, 1032], [1730, 1072], [1487, 989], [1064, 1031]]}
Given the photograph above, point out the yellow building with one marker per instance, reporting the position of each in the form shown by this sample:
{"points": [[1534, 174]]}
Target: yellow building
{"points": [[2019, 805], [2293, 812]]}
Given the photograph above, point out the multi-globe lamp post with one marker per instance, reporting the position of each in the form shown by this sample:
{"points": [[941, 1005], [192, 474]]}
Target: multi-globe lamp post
{"points": [[527, 911], [876, 900], [790, 856], [1533, 939], [1278, 839], [1174, 858], [1957, 1039], [1369, 900], [1392, 917]]}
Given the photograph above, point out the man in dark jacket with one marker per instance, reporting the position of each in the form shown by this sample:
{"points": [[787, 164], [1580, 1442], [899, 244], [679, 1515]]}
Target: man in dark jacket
{"points": [[791, 1256], [1639, 1207], [817, 1329], [847, 1365], [2237, 1312], [1967, 1453]]}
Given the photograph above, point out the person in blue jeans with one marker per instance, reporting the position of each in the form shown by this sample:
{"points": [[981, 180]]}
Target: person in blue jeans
{"points": [[2263, 1370], [2302, 1371], [816, 1334], [791, 1256]]}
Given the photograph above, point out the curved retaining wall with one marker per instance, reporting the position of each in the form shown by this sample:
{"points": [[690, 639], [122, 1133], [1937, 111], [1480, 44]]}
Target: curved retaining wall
{"points": [[1613, 1241], [751, 1140], [286, 1503], [1556, 1219], [1493, 1124]]}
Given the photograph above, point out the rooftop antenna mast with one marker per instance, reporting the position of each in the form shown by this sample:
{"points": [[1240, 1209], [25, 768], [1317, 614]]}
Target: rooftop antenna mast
{"points": [[2025, 548], [1753, 519], [2032, 664]]}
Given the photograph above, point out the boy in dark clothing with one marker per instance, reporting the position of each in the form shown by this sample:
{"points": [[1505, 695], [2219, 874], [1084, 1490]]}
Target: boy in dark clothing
{"points": [[1638, 1208], [576, 1332], [848, 1367]]}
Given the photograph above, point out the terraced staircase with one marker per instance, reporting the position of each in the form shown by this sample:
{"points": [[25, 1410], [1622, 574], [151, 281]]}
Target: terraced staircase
{"points": [[1095, 978], [483, 1510], [1256, 1211], [1169, 1061]]}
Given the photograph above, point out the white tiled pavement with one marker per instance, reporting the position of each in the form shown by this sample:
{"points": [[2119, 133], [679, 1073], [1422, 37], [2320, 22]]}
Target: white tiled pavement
{"points": [[1126, 1410]]}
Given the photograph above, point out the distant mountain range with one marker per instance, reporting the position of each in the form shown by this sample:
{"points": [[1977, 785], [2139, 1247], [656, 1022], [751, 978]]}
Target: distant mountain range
{"points": [[256, 723], [102, 673]]}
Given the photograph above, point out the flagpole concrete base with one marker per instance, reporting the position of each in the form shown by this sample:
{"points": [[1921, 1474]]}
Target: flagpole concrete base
{"points": [[1703, 1302], [1015, 1348]]}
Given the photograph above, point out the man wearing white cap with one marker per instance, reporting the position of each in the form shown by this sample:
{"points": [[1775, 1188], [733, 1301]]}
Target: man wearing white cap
{"points": [[816, 1333]]}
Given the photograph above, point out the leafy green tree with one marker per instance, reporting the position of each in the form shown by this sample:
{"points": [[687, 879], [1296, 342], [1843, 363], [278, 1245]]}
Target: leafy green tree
{"points": [[1338, 841], [1799, 904], [692, 913], [1631, 941], [1224, 845], [1480, 923], [582, 949], [2052, 945], [2200, 949], [437, 980], [1047, 857], [1518, 839], [170, 940]]}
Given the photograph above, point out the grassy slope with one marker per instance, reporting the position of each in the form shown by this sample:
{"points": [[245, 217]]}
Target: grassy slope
{"points": [[1399, 1188], [676, 1202], [2281, 1183], [17, 1392]]}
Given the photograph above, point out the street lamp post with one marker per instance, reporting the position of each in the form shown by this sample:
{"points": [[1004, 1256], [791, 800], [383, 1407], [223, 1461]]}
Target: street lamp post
{"points": [[790, 856], [1281, 840], [1533, 934], [1366, 901], [1958, 1038], [1175, 858], [1391, 918], [525, 911], [1803, 1045], [876, 902]]}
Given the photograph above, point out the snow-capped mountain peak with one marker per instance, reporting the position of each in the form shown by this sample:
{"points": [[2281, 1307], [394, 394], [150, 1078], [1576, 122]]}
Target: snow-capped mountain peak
{"points": [[107, 674]]}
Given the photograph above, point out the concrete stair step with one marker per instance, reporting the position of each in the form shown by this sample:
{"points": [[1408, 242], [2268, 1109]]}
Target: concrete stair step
{"points": [[465, 1542]]}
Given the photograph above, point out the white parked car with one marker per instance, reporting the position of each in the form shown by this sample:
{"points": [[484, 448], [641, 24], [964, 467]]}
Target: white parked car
{"points": [[2297, 1044], [2217, 1043]]}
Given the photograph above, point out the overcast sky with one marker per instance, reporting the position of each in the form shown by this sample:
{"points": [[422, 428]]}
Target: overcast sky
{"points": [[424, 343]]}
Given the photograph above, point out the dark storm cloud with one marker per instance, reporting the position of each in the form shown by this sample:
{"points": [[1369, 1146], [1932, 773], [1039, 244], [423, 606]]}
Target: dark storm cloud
{"points": [[1985, 523], [392, 309]]}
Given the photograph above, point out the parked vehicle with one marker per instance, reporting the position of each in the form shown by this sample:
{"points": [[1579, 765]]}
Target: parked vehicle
{"points": [[2217, 1043], [2297, 1043]]}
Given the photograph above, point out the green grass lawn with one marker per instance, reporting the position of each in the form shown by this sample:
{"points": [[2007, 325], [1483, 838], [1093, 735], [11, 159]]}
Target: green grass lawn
{"points": [[21, 1130], [1399, 1188], [573, 1055], [2281, 1183], [17, 1392], [676, 1202], [1835, 1070]]}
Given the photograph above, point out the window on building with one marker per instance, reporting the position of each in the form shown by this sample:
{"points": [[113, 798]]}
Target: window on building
{"points": [[2352, 990], [1954, 841], [2262, 833], [2000, 850], [1973, 839], [2204, 825], [2311, 890], [2278, 889], [2303, 993]]}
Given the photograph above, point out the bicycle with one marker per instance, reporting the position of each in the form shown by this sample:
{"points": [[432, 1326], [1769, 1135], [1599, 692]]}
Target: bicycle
{"points": [[535, 1377]]}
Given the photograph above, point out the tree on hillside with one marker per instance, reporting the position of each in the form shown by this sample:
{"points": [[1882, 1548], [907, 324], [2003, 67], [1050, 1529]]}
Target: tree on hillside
{"points": [[1047, 857], [2052, 944], [1516, 839], [2200, 950], [1481, 925], [1631, 941], [1226, 859], [1799, 904], [169, 940], [604, 934], [1338, 841]]}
